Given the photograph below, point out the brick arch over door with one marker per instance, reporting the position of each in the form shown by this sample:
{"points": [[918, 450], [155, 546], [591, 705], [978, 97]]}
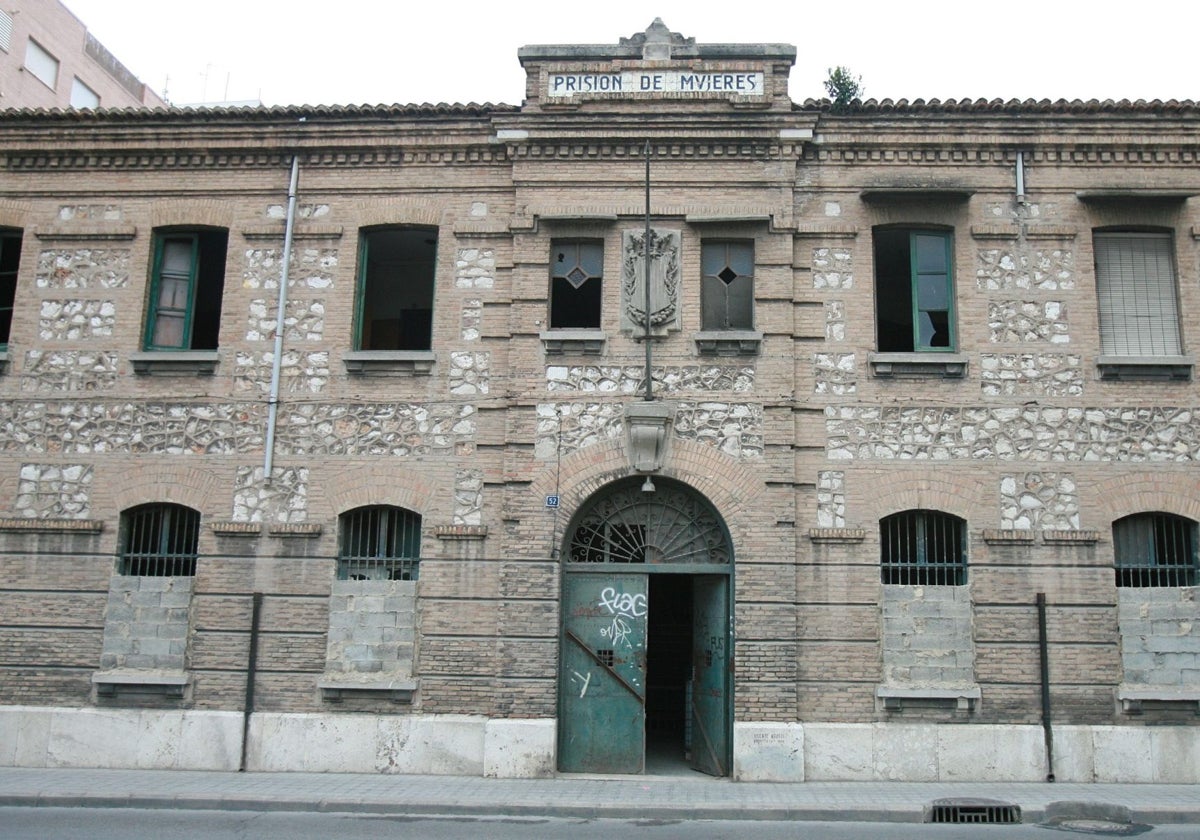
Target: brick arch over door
{"points": [[398, 213], [730, 485]]}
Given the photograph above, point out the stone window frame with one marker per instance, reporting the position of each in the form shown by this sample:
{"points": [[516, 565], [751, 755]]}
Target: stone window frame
{"points": [[11, 240], [195, 298], [1137, 279], [914, 359], [379, 542], [923, 547], [1155, 549], [159, 539]]}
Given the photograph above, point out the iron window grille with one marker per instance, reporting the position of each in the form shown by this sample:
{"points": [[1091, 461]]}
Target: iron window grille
{"points": [[727, 285], [914, 290], [1155, 549], [576, 281], [159, 540], [923, 548], [379, 543], [1135, 282]]}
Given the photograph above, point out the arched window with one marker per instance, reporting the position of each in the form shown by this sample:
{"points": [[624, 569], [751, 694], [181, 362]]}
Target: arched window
{"points": [[1155, 549], [379, 542], [923, 548], [159, 540]]}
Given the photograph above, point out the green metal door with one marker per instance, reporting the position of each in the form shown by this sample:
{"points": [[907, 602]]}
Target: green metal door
{"points": [[710, 669], [603, 681]]}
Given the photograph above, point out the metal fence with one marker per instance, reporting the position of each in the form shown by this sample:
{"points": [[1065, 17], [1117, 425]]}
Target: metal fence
{"points": [[379, 543], [923, 548], [1155, 549], [160, 541]]}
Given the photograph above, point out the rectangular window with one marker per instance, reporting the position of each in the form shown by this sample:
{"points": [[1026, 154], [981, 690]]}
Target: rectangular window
{"points": [[727, 285], [1135, 281], [914, 290], [10, 259], [186, 289], [576, 270], [41, 64], [6, 26], [395, 289], [83, 96]]}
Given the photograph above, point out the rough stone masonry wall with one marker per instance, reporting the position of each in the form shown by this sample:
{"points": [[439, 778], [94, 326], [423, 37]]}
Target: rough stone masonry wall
{"points": [[146, 623], [372, 628], [1160, 636], [927, 639]]}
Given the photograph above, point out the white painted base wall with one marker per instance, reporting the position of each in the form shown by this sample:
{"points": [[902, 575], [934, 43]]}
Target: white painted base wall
{"points": [[32, 736]]}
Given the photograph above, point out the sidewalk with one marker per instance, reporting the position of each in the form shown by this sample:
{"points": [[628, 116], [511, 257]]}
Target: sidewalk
{"points": [[663, 797]]}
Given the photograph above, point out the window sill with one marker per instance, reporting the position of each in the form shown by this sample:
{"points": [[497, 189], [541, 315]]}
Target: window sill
{"points": [[172, 684], [936, 365], [398, 690], [573, 342], [963, 699], [1161, 368], [728, 342], [174, 362], [389, 362], [1131, 698]]}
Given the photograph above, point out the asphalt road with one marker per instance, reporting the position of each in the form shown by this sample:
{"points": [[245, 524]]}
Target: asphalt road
{"points": [[135, 824]]}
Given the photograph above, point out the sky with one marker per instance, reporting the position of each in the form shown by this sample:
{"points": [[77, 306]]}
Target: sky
{"points": [[353, 52]]}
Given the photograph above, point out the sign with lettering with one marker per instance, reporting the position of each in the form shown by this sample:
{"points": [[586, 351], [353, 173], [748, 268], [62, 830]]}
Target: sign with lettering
{"points": [[640, 82]]}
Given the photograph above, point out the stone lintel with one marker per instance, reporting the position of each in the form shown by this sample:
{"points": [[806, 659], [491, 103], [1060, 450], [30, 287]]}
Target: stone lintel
{"points": [[995, 232], [460, 532], [837, 535], [1008, 536], [46, 526]]}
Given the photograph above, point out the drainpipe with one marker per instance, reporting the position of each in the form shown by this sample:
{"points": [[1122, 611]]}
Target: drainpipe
{"points": [[1043, 650], [1020, 177], [251, 672], [277, 361], [646, 283]]}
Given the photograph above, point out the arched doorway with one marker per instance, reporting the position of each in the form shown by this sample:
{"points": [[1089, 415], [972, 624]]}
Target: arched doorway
{"points": [[646, 636]]}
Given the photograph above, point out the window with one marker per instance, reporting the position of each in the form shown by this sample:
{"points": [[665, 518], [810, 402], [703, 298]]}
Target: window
{"points": [[395, 289], [10, 259], [914, 290], [186, 288], [727, 285], [83, 96], [41, 64], [6, 27], [576, 270], [1155, 549], [1135, 281], [923, 548], [379, 543], [159, 540]]}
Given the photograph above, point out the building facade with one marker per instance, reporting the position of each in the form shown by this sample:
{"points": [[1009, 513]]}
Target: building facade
{"points": [[48, 59], [659, 419]]}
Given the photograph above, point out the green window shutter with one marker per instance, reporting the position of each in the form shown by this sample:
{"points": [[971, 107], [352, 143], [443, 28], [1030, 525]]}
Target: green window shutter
{"points": [[170, 323], [931, 256]]}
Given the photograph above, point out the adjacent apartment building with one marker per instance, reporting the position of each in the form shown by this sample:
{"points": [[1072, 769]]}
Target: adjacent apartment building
{"points": [[48, 59], [660, 419]]}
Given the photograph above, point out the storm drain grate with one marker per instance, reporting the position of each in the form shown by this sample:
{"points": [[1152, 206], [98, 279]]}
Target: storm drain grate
{"points": [[978, 811]]}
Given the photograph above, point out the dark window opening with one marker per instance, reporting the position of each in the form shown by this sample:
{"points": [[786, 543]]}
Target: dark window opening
{"points": [[187, 290], [395, 292], [10, 261], [159, 540], [727, 285], [923, 548], [379, 543], [576, 285], [914, 290], [1155, 549], [1135, 284]]}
